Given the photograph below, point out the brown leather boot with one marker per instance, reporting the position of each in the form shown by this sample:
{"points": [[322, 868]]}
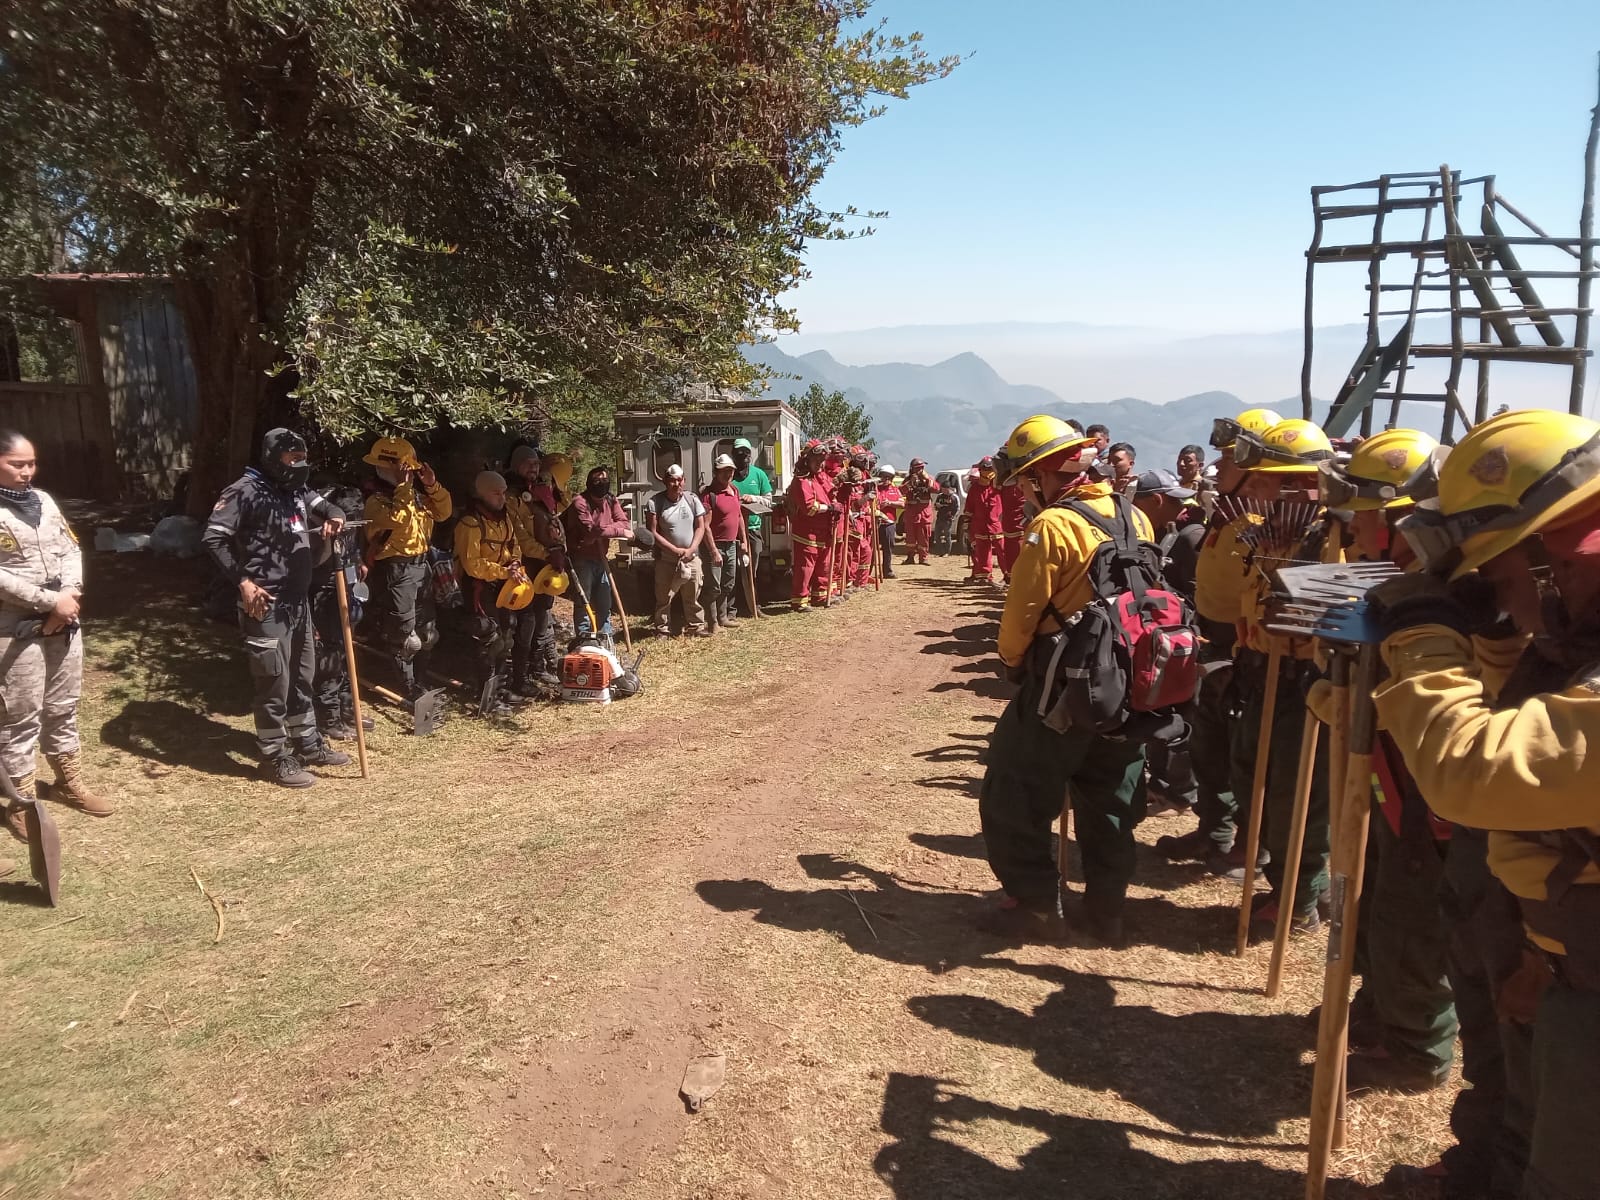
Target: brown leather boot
{"points": [[15, 821], [70, 785]]}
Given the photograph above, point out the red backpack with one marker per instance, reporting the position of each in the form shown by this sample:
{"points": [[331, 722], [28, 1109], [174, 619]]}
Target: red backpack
{"points": [[1124, 663]]}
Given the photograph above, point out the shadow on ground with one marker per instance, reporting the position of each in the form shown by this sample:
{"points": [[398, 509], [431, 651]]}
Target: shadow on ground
{"points": [[1079, 1158]]}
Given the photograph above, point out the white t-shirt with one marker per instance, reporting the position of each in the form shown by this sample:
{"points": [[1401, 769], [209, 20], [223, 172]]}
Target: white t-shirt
{"points": [[676, 519]]}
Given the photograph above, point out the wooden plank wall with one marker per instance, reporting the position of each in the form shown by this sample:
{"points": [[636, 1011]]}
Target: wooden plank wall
{"points": [[60, 420], [149, 382]]}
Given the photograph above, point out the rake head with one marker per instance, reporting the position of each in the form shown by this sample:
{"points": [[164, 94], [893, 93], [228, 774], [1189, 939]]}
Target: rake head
{"points": [[1327, 601]]}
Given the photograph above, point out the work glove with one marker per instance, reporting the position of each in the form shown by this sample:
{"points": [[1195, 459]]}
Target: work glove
{"points": [[557, 559], [1407, 601]]}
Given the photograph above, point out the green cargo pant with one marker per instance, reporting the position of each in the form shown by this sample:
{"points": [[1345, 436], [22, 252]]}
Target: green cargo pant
{"points": [[1283, 765], [1407, 947], [1564, 1158], [1031, 769], [1212, 730]]}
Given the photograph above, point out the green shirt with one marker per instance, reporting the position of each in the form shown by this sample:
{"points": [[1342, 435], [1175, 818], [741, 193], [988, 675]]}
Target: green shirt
{"points": [[755, 483]]}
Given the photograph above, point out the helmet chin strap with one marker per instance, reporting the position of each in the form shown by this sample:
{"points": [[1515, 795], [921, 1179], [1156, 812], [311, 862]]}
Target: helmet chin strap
{"points": [[1563, 639]]}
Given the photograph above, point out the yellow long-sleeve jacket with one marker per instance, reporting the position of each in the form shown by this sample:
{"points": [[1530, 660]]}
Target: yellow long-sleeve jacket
{"points": [[1522, 769], [529, 522], [1220, 574], [1053, 568], [400, 523], [488, 544]]}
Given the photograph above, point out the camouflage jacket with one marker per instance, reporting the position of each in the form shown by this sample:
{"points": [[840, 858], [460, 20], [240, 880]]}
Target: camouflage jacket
{"points": [[37, 562]]}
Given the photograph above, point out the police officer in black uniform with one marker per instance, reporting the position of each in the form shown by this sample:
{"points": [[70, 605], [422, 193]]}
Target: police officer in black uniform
{"points": [[258, 536]]}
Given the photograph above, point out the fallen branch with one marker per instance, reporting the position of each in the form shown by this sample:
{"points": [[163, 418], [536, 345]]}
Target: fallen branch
{"points": [[851, 893], [126, 1007], [216, 905]]}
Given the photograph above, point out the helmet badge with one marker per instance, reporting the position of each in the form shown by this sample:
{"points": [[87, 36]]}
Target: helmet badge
{"points": [[1492, 469]]}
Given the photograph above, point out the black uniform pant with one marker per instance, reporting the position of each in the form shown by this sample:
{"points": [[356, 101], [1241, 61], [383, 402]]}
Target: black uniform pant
{"points": [[534, 639], [493, 632], [281, 648], [1492, 1119], [331, 683], [1031, 770], [402, 591]]}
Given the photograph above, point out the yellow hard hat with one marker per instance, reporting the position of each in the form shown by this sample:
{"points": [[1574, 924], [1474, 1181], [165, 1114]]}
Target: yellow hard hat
{"points": [[1038, 438], [560, 467], [1225, 430], [393, 452], [550, 581], [1512, 476], [1392, 469], [515, 594], [1291, 446]]}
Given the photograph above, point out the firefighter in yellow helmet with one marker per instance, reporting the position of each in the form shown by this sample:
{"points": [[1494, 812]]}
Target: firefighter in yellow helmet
{"points": [[490, 552], [404, 505], [1030, 765], [1220, 582], [1518, 517], [1403, 1018]]}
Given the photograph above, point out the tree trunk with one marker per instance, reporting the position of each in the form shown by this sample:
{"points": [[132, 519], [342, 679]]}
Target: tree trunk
{"points": [[225, 346]]}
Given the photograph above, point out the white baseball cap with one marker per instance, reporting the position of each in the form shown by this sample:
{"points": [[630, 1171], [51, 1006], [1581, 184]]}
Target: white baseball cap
{"points": [[674, 472], [723, 460]]}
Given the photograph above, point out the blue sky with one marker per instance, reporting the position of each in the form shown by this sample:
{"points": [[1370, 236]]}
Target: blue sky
{"points": [[1150, 163]]}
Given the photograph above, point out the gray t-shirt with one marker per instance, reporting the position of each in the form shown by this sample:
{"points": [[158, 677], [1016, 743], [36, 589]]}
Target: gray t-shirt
{"points": [[676, 518]]}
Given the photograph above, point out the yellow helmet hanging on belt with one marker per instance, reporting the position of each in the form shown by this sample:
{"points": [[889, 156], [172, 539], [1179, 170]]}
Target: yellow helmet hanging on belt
{"points": [[395, 453], [1288, 447], [1392, 469], [1510, 477], [1038, 438]]}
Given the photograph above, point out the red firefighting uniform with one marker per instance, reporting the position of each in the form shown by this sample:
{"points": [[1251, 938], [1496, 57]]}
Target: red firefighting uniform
{"points": [[983, 527], [919, 490], [811, 526]]}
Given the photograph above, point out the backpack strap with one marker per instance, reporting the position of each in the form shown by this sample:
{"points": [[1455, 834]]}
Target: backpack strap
{"points": [[1122, 532]]}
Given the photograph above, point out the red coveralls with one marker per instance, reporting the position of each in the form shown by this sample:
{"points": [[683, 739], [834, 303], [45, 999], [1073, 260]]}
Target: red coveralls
{"points": [[1013, 524], [983, 527], [919, 490], [811, 527], [860, 543]]}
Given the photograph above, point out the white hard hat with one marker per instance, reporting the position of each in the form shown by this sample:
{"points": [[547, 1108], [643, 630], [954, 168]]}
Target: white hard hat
{"points": [[885, 469]]}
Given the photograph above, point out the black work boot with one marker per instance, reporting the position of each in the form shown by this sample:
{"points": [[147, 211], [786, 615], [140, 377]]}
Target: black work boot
{"points": [[285, 771], [322, 755], [1017, 925], [1188, 847], [1377, 1070]]}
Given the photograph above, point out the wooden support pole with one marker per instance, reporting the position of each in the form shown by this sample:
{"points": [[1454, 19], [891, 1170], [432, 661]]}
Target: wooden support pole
{"points": [[1258, 793], [1304, 779], [1348, 868], [1580, 331], [350, 664]]}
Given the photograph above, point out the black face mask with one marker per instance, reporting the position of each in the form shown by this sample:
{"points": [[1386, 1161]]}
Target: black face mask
{"points": [[600, 487], [25, 503], [274, 446]]}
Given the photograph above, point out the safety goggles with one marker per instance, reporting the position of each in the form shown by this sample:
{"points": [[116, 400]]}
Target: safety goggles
{"points": [[1224, 432], [1250, 451], [1338, 489], [1437, 539]]}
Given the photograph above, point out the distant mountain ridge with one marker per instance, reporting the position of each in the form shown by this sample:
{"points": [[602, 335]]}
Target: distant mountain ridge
{"points": [[955, 411]]}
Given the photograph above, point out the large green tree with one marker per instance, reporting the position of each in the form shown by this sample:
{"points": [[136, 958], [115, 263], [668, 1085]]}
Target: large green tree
{"points": [[393, 213], [825, 413]]}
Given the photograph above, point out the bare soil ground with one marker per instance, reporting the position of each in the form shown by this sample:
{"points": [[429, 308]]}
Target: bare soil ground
{"points": [[481, 972]]}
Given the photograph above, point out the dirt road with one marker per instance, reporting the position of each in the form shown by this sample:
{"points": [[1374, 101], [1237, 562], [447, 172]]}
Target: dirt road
{"points": [[482, 972]]}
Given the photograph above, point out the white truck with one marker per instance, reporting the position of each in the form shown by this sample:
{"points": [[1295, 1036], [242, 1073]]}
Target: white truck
{"points": [[692, 437]]}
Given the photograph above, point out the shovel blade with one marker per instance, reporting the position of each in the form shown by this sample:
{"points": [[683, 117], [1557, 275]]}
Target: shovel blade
{"points": [[428, 712], [44, 849]]}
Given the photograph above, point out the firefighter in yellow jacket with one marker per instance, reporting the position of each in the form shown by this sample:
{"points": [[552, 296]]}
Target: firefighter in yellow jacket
{"points": [[489, 550], [402, 509], [1519, 509], [1031, 766]]}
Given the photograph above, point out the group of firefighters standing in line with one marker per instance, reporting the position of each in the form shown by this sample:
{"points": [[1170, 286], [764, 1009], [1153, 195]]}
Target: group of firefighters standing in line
{"points": [[1481, 914]]}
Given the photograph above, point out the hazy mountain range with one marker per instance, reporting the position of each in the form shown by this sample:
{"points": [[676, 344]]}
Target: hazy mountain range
{"points": [[951, 393]]}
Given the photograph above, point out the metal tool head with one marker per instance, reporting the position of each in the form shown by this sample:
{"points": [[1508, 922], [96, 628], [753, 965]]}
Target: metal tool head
{"points": [[427, 712], [1327, 601], [44, 849]]}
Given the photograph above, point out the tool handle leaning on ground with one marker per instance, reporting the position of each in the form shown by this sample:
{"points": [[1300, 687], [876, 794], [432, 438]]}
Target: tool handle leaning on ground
{"points": [[1303, 782], [350, 664], [616, 598], [750, 585], [1338, 760], [1349, 863], [1258, 792]]}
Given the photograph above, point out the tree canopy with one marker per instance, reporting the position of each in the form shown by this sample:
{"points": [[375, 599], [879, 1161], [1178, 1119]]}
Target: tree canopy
{"points": [[823, 414], [387, 214]]}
